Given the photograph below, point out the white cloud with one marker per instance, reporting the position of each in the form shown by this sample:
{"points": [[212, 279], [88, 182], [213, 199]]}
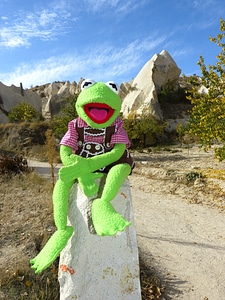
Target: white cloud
{"points": [[197, 4], [96, 5], [181, 53], [131, 5], [44, 25], [101, 63], [47, 18], [119, 6], [10, 38], [202, 3]]}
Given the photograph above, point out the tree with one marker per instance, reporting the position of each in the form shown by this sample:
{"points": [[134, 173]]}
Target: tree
{"points": [[207, 120], [143, 129]]}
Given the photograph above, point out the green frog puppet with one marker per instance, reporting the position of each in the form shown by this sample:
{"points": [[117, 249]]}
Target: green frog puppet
{"points": [[95, 144]]}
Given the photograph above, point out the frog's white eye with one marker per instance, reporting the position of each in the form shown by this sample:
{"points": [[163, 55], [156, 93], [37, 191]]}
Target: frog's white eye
{"points": [[87, 83], [113, 86]]}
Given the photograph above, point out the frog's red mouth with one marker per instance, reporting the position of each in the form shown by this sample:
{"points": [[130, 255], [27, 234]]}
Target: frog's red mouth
{"points": [[98, 112]]}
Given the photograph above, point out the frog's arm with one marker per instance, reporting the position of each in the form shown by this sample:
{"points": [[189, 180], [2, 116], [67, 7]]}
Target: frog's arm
{"points": [[99, 161], [88, 165], [67, 157], [87, 183], [65, 153]]}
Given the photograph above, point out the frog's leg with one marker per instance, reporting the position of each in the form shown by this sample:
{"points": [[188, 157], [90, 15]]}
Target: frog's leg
{"points": [[60, 238], [105, 219], [88, 184]]}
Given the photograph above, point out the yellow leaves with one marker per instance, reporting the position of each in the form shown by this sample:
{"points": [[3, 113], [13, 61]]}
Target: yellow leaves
{"points": [[22, 112], [28, 283], [211, 173]]}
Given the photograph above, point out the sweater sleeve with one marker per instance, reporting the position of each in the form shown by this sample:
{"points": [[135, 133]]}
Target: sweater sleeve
{"points": [[120, 136], [71, 136]]}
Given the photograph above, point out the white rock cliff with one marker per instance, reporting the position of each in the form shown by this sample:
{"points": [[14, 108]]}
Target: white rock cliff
{"points": [[12, 96], [155, 74]]}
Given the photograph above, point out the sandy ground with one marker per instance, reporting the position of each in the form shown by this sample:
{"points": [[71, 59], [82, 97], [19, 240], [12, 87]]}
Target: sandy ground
{"points": [[180, 226], [185, 243], [179, 222]]}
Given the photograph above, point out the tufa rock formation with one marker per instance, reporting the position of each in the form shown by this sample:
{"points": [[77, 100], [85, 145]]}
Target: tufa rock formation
{"points": [[53, 96], [47, 99], [142, 92], [12, 96]]}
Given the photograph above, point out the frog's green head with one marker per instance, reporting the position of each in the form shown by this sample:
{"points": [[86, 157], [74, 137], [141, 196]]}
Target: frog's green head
{"points": [[98, 103]]}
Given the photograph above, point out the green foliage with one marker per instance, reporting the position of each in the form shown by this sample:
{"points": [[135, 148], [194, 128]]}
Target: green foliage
{"points": [[183, 135], [192, 176], [171, 94], [60, 123], [23, 112], [181, 131], [207, 120], [143, 129]]}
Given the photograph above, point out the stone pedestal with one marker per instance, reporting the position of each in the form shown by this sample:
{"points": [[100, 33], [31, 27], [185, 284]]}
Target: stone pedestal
{"points": [[99, 268]]}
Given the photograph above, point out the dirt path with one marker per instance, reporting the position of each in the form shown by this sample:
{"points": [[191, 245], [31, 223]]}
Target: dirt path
{"points": [[185, 243], [180, 224]]}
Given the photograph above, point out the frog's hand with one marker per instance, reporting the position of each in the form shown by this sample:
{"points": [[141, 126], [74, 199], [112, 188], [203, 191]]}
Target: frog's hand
{"points": [[51, 250], [99, 161], [84, 166], [88, 184], [71, 172]]}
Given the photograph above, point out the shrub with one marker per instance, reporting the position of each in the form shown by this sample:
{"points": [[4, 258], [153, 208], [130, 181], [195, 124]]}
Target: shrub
{"points": [[171, 94], [144, 129], [23, 112], [192, 176], [13, 164]]}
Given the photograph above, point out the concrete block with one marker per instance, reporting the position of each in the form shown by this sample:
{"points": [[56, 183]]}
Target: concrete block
{"points": [[94, 267]]}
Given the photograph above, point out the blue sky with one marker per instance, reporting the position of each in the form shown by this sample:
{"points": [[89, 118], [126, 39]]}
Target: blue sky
{"points": [[45, 41]]}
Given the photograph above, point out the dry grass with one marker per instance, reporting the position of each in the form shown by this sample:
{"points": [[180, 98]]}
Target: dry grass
{"points": [[151, 286], [24, 137], [26, 224]]}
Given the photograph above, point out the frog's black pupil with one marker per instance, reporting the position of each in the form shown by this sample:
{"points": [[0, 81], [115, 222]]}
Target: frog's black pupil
{"points": [[113, 85], [87, 83]]}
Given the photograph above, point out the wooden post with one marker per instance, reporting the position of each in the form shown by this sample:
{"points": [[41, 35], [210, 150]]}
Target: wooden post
{"points": [[21, 89], [94, 267]]}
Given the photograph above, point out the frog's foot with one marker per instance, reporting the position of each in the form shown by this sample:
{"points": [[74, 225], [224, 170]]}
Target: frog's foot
{"points": [[51, 250], [106, 220]]}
